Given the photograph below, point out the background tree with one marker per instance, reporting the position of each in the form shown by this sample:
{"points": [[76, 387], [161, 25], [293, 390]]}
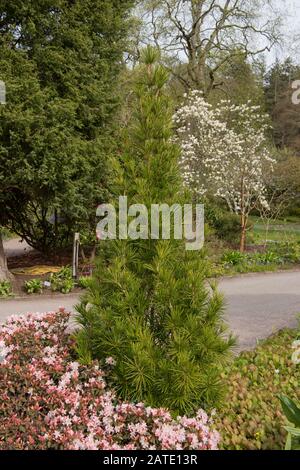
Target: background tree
{"points": [[285, 114], [60, 61], [199, 36], [148, 306], [225, 154], [242, 81], [283, 189], [4, 272]]}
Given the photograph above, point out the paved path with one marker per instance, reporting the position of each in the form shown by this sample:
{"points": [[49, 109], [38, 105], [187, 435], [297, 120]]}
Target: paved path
{"points": [[261, 304], [257, 304], [15, 247], [20, 306]]}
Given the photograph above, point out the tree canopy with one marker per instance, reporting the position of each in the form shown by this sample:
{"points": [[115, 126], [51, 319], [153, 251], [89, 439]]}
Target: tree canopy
{"points": [[60, 61]]}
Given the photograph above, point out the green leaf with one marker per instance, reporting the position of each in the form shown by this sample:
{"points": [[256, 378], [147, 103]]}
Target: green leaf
{"points": [[293, 431], [291, 410], [288, 445]]}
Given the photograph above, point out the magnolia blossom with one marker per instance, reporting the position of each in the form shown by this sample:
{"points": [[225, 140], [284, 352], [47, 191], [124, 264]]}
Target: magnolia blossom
{"points": [[224, 151]]}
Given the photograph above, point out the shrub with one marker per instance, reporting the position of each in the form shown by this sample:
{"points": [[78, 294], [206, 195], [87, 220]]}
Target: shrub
{"points": [[250, 417], [5, 288], [289, 252], [233, 258], [149, 305], [84, 282], [267, 258], [62, 281], [227, 225], [34, 286], [49, 401], [244, 262]]}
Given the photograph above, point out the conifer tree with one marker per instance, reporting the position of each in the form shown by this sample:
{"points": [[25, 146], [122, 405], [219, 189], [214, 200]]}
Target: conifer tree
{"points": [[148, 305], [60, 61]]}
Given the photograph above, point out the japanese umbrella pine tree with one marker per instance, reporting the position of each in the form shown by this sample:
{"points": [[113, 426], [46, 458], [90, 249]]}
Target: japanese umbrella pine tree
{"points": [[148, 306]]}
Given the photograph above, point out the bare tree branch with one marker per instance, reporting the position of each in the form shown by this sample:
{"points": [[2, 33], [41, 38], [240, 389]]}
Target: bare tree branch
{"points": [[205, 34]]}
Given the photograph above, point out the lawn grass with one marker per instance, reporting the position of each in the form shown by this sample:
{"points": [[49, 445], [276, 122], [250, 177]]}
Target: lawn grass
{"points": [[280, 230], [283, 240]]}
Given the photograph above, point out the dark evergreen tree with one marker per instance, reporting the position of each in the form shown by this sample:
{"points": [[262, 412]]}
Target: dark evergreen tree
{"points": [[278, 96], [149, 306], [60, 60]]}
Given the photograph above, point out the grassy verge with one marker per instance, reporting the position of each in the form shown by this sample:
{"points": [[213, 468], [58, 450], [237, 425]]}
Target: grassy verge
{"points": [[251, 417], [223, 260], [280, 230]]}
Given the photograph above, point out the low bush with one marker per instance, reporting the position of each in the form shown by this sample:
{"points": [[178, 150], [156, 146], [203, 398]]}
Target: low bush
{"points": [[251, 262], [34, 286], [50, 401], [227, 225], [251, 417], [267, 258], [233, 258], [62, 281], [5, 288], [289, 252], [84, 282]]}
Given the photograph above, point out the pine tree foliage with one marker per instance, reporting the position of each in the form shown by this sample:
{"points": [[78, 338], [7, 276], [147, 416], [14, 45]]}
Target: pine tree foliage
{"points": [[149, 306]]}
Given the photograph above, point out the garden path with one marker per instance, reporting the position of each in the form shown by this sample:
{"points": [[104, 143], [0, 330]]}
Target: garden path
{"points": [[257, 305]]}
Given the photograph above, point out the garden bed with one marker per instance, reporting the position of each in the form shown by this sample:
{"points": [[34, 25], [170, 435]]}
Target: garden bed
{"points": [[223, 260], [251, 417], [20, 280], [50, 401], [21, 267]]}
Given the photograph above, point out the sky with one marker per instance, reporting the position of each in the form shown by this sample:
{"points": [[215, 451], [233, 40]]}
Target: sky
{"points": [[290, 10]]}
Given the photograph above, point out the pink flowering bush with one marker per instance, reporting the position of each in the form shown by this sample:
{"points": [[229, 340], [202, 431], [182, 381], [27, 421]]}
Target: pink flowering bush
{"points": [[50, 401]]}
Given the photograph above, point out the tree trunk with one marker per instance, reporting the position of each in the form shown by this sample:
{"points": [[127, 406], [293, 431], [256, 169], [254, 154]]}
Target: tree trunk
{"points": [[5, 275], [243, 239], [244, 217], [244, 221]]}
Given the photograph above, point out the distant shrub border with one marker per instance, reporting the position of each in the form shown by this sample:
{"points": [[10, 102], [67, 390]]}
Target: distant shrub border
{"points": [[50, 401]]}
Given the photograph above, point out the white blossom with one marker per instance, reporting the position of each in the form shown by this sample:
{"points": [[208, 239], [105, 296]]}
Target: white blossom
{"points": [[224, 151]]}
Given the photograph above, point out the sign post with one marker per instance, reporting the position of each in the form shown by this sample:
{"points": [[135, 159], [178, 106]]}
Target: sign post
{"points": [[75, 255]]}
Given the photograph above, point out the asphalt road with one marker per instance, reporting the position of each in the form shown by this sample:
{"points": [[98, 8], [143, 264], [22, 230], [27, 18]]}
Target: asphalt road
{"points": [[257, 305], [261, 304]]}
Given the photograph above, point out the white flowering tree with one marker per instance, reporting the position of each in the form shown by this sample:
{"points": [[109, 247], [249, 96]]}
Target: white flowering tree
{"points": [[224, 152]]}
